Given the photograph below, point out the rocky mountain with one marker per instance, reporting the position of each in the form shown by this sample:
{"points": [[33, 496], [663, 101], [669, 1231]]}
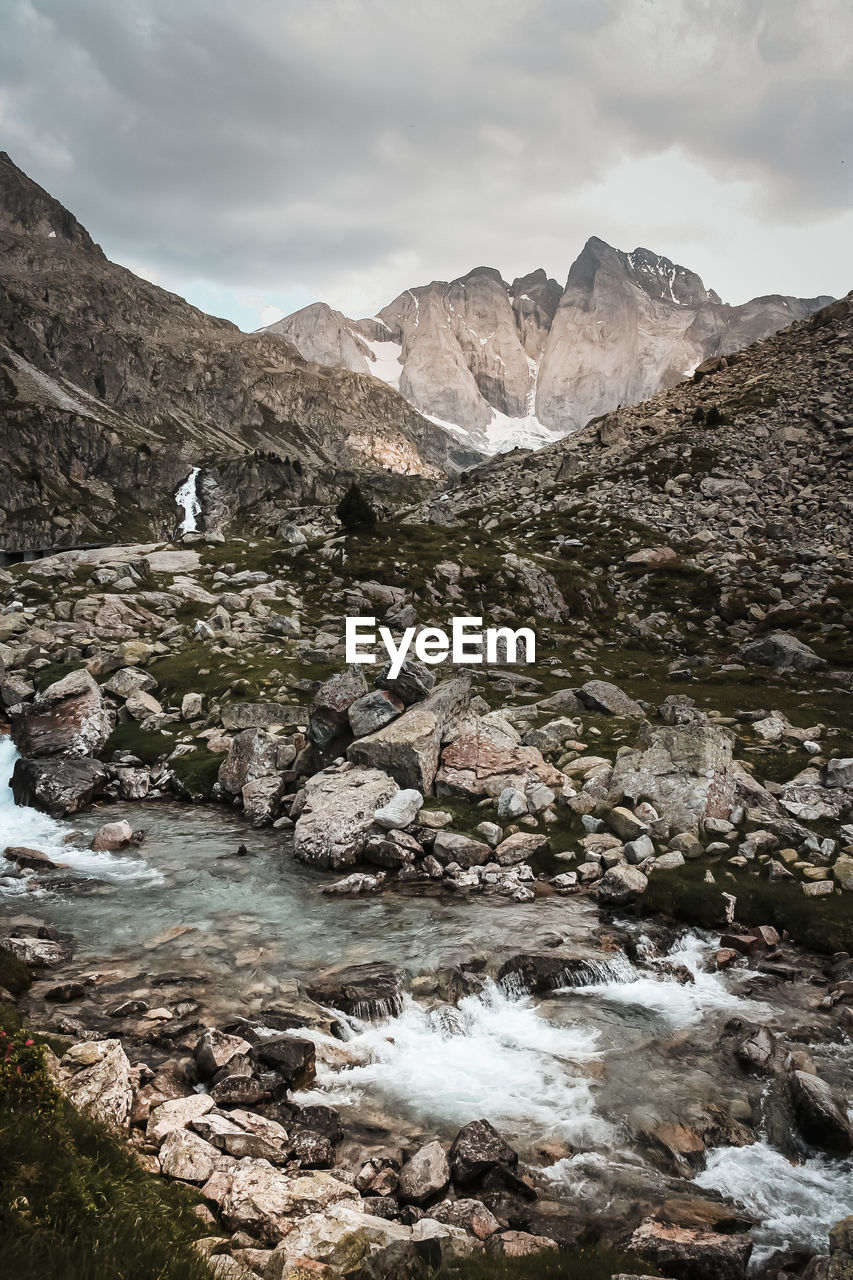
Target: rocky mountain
{"points": [[111, 389], [524, 363]]}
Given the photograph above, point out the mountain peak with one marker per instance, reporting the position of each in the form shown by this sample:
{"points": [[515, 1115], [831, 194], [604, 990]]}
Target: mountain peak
{"points": [[27, 209]]}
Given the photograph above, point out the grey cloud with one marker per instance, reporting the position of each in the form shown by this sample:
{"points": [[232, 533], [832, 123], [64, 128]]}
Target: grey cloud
{"points": [[278, 143]]}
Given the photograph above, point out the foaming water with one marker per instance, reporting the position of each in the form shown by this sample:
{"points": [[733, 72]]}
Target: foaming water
{"points": [[795, 1204], [493, 1057], [22, 826], [679, 1004]]}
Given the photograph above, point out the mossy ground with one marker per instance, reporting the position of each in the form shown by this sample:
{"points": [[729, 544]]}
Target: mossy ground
{"points": [[822, 924]]}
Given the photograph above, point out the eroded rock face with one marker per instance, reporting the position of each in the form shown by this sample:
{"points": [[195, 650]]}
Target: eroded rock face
{"points": [[685, 771], [68, 718], [821, 1113], [408, 748], [337, 817]]}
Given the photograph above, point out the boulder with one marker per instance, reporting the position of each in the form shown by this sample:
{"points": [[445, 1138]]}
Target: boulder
{"points": [[400, 811], [188, 1157], [519, 847], [598, 695], [486, 758], [340, 1241], [69, 718], [451, 846], [112, 835], [684, 770], [841, 1250], [413, 683], [176, 1113], [239, 716], [517, 1244], [29, 859], [291, 1057], [409, 747], [57, 787], [782, 651], [252, 755], [373, 990], [690, 1253], [95, 1075], [821, 1113], [214, 1050], [128, 680], [260, 1199], [426, 1176], [471, 1215], [37, 953], [620, 885], [373, 710], [328, 719], [337, 816], [477, 1149]]}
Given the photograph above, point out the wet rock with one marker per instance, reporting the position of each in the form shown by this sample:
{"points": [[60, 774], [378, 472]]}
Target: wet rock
{"points": [[365, 990], [112, 835], [598, 695], [689, 1253], [313, 1150], [821, 1113], [69, 718], [841, 1250], [478, 1149], [621, 885], [30, 859], [408, 748], [291, 1057], [425, 1176], [758, 1051], [400, 811], [96, 1077], [57, 787], [782, 651], [337, 817]]}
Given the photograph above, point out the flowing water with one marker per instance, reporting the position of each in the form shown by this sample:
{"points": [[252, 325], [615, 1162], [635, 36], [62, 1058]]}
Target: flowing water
{"points": [[587, 1066], [188, 500]]}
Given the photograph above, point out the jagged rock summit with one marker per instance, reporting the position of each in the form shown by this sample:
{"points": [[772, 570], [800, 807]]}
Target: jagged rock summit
{"points": [[525, 363]]}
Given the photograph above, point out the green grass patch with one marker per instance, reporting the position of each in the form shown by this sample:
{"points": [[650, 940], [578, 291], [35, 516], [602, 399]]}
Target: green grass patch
{"points": [[14, 975], [197, 770], [823, 924], [148, 746], [75, 1203], [592, 1262]]}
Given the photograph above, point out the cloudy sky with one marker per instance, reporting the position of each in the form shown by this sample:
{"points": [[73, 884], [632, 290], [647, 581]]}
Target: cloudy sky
{"points": [[255, 155]]}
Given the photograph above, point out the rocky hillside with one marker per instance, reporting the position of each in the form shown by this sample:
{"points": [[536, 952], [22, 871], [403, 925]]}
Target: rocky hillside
{"points": [[520, 364], [112, 388]]}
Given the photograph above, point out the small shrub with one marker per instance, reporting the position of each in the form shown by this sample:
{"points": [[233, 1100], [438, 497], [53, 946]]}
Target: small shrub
{"points": [[354, 511]]}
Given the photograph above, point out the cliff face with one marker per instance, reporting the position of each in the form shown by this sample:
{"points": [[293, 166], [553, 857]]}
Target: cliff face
{"points": [[527, 362], [111, 389], [631, 324]]}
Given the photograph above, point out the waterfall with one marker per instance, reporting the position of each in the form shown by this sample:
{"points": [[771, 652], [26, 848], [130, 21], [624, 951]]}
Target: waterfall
{"points": [[187, 498]]}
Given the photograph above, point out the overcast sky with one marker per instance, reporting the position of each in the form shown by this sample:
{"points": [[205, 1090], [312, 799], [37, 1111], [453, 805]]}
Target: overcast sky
{"points": [[256, 155]]}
